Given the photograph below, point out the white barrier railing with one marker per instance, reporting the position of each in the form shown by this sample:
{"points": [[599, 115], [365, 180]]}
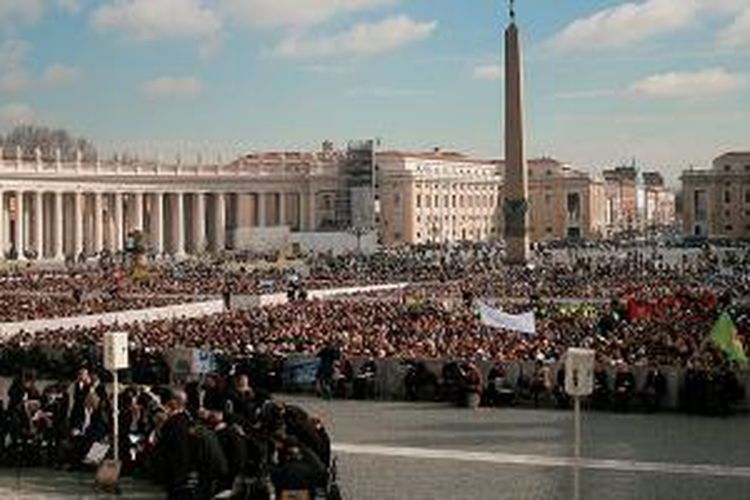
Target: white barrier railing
{"points": [[276, 299], [190, 310]]}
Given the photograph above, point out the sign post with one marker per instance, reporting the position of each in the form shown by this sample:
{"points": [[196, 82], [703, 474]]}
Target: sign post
{"points": [[115, 359], [579, 382]]}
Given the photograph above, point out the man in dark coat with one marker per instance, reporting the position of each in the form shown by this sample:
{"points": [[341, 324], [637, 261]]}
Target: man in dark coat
{"points": [[173, 449]]}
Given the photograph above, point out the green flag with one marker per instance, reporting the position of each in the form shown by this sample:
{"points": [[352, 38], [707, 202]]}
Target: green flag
{"points": [[724, 336]]}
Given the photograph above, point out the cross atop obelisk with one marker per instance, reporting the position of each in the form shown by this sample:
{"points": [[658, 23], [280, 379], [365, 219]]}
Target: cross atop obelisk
{"points": [[516, 170]]}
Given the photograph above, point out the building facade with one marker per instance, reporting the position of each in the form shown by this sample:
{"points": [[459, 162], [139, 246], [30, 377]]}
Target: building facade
{"points": [[440, 197], [437, 197], [565, 203], [659, 209], [716, 201], [621, 195], [52, 209]]}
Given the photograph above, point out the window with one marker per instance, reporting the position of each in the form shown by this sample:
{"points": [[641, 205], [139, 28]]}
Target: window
{"points": [[727, 196], [549, 230], [747, 168], [419, 201], [747, 196], [728, 228], [727, 168], [453, 201]]}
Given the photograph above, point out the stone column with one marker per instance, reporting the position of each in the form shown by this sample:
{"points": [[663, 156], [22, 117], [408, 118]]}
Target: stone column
{"points": [[282, 209], [516, 181], [310, 215], [157, 223], [78, 221], [19, 245], [261, 203], [98, 222], [199, 222], [3, 225], [138, 211], [39, 224], [220, 222], [119, 231], [59, 229], [179, 225]]}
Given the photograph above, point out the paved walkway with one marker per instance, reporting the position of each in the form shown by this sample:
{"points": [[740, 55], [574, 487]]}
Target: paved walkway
{"points": [[428, 451]]}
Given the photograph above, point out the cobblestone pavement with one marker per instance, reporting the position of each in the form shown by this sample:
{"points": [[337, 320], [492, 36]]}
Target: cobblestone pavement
{"points": [[430, 451]]}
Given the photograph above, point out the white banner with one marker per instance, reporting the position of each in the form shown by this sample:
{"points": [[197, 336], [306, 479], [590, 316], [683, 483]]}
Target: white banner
{"points": [[524, 323]]}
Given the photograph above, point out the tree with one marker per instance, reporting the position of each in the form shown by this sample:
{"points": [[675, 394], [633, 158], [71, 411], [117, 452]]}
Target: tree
{"points": [[30, 137]]}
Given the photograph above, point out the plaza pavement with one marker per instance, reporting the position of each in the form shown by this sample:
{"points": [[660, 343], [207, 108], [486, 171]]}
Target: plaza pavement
{"points": [[430, 451]]}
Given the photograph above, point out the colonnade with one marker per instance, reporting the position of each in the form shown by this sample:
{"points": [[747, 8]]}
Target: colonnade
{"points": [[55, 224]]}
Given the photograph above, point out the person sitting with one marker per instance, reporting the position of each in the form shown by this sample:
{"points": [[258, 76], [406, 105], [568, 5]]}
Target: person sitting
{"points": [[624, 387], [419, 382], [499, 391], [364, 382], [654, 389], [299, 473], [601, 393]]}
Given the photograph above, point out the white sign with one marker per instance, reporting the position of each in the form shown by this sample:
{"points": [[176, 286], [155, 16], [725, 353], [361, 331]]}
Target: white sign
{"points": [[579, 372], [524, 323], [115, 350]]}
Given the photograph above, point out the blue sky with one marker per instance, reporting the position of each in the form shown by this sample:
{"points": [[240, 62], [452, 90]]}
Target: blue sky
{"points": [[664, 81]]}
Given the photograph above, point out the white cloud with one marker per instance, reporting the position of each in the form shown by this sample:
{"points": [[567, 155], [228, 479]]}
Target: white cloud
{"points": [[293, 13], [58, 74], [588, 94], [488, 72], [387, 92], [632, 22], [360, 39], [17, 13], [168, 86], [146, 20], [710, 82], [15, 81], [21, 11], [13, 54], [737, 34], [18, 113], [13, 75]]}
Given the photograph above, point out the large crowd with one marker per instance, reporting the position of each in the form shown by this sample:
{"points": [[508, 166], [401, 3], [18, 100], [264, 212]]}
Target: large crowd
{"points": [[450, 272], [633, 307], [198, 440], [223, 432]]}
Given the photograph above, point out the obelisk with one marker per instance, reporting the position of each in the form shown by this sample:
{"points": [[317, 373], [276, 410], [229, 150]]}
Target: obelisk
{"points": [[516, 170]]}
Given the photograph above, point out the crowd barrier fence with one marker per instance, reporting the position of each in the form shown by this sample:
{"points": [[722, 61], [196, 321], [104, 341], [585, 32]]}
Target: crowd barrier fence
{"points": [[391, 374], [190, 310]]}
